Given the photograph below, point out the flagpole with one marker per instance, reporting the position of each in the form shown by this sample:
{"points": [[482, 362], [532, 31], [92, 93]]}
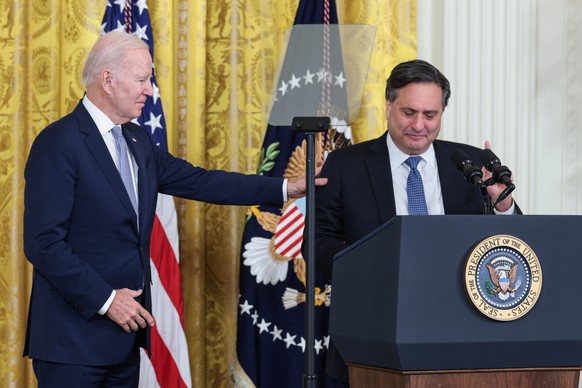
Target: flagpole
{"points": [[310, 126]]}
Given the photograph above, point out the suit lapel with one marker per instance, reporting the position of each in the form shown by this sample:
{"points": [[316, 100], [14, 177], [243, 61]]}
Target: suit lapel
{"points": [[98, 149], [378, 165], [142, 183]]}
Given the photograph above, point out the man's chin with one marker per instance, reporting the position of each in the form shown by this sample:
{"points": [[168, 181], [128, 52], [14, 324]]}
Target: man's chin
{"points": [[419, 146]]}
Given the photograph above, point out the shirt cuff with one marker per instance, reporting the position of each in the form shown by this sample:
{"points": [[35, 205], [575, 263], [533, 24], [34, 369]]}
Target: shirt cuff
{"points": [[509, 211], [285, 190], [107, 304]]}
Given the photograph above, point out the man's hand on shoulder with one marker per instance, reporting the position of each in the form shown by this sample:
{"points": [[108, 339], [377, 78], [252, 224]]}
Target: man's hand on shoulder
{"points": [[297, 187]]}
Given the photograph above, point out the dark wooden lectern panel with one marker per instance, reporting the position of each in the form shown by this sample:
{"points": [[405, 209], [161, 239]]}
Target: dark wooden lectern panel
{"points": [[364, 376]]}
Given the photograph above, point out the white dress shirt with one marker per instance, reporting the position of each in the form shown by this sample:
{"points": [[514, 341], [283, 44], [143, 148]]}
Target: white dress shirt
{"points": [[429, 171]]}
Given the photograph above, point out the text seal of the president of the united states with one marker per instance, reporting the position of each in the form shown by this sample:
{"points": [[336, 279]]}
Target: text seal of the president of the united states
{"points": [[503, 277]]}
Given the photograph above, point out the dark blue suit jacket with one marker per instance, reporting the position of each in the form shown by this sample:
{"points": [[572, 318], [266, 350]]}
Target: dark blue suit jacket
{"points": [[84, 238]]}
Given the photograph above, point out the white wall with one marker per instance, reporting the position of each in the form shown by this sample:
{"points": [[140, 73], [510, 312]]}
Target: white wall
{"points": [[514, 68]]}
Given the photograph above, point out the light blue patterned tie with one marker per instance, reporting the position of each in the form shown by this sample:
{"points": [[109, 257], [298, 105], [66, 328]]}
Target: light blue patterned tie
{"points": [[414, 188], [124, 169]]}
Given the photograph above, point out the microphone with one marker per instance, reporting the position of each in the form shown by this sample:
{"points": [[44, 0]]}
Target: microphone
{"points": [[501, 174], [472, 173]]}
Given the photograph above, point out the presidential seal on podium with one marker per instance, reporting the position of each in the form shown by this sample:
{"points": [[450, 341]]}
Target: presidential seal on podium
{"points": [[503, 277]]}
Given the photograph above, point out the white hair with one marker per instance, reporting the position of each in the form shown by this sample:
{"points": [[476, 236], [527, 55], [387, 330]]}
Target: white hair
{"points": [[110, 50]]}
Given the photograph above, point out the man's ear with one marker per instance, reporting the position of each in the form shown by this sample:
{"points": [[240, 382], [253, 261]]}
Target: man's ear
{"points": [[388, 107], [106, 80]]}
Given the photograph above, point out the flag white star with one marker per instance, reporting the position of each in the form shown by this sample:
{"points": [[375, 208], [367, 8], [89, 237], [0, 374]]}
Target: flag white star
{"points": [[318, 346], [326, 341], [156, 94], [339, 80], [308, 77], [102, 29], [255, 316], [245, 308], [302, 344], [154, 122], [120, 27], [264, 326], [141, 4], [283, 88], [294, 82], [120, 3], [276, 333], [289, 339], [140, 32]]}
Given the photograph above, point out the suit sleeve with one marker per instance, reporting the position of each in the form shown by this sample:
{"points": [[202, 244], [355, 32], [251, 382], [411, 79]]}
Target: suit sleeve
{"points": [[49, 201], [180, 178], [329, 216]]}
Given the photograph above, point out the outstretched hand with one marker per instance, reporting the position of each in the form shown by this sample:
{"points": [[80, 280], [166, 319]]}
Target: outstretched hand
{"points": [[127, 312], [296, 187]]}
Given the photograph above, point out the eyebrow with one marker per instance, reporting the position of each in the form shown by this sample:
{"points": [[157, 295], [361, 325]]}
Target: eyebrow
{"points": [[432, 111]]}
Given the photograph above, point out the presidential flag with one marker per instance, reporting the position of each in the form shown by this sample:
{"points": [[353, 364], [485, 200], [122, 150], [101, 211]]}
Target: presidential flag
{"points": [[271, 321], [168, 364]]}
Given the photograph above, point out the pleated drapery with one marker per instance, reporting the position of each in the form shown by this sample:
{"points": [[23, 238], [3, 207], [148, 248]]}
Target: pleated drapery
{"points": [[215, 62]]}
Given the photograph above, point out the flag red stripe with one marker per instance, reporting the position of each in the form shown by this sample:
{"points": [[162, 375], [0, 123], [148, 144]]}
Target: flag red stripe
{"points": [[284, 231], [291, 213], [292, 235], [294, 253], [165, 261], [169, 375], [292, 249]]}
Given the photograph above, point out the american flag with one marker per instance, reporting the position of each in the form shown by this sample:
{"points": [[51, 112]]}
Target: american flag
{"points": [[168, 365]]}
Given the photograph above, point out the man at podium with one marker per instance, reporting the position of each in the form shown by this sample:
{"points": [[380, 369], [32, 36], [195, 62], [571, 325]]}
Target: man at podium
{"points": [[406, 171]]}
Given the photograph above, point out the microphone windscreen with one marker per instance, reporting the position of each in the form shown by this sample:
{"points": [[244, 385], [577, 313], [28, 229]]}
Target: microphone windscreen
{"points": [[460, 157], [487, 156]]}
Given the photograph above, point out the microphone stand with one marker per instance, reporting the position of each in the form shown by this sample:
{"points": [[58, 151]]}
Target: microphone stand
{"points": [[486, 203], [310, 125]]}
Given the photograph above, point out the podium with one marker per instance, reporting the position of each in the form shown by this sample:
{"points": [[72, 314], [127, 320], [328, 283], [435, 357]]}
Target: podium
{"points": [[401, 315]]}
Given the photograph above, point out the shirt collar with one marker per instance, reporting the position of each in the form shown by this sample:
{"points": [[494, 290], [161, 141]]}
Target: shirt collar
{"points": [[104, 123]]}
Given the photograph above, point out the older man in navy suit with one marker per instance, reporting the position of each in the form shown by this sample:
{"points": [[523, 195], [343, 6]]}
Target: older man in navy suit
{"points": [[92, 180], [369, 182]]}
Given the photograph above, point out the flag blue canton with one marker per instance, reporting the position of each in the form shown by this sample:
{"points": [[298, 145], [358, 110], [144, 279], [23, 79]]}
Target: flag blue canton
{"points": [[271, 322], [134, 18]]}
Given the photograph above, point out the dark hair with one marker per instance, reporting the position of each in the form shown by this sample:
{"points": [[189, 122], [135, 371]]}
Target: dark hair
{"points": [[416, 71]]}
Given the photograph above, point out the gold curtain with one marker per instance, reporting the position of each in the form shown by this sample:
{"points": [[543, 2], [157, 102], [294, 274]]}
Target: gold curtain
{"points": [[215, 64]]}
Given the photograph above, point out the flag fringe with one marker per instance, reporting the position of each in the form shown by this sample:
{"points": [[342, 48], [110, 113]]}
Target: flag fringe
{"points": [[239, 377]]}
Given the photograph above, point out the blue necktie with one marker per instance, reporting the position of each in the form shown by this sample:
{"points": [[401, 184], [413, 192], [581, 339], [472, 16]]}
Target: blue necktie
{"points": [[414, 188], [124, 169]]}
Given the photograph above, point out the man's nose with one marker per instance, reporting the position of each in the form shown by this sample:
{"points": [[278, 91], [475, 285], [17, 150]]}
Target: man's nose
{"points": [[418, 123], [149, 90]]}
